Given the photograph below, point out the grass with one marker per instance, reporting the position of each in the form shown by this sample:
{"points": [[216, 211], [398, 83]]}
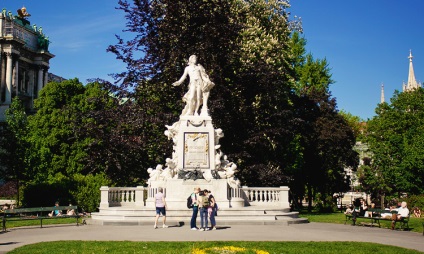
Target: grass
{"points": [[82, 247], [35, 222], [123, 247], [415, 224]]}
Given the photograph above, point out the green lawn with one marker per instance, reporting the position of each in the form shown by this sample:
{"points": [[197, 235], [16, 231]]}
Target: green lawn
{"points": [[25, 223], [82, 247], [415, 224], [215, 247]]}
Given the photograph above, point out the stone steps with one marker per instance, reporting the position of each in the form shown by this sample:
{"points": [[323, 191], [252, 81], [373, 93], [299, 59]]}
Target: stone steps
{"points": [[226, 216]]}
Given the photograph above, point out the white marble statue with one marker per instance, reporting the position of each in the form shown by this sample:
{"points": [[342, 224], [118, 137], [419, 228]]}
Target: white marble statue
{"points": [[198, 89], [155, 174], [207, 174], [218, 135], [172, 131], [230, 171], [171, 168]]}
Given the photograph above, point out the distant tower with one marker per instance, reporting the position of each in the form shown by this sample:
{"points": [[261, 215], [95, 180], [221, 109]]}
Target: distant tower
{"points": [[382, 93], [412, 83]]}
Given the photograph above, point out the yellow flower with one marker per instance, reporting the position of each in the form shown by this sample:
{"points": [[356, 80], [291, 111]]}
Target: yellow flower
{"points": [[225, 249]]}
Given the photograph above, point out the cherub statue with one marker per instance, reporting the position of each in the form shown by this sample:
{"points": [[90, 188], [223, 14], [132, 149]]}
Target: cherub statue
{"points": [[172, 131], [154, 174], [218, 135], [207, 174], [169, 171]]}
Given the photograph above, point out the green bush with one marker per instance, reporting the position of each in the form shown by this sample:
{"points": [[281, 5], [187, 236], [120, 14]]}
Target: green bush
{"points": [[46, 194], [324, 205], [8, 190], [87, 190], [415, 201]]}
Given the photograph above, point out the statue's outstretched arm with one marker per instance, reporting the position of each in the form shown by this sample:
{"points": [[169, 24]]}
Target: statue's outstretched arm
{"points": [[183, 77]]}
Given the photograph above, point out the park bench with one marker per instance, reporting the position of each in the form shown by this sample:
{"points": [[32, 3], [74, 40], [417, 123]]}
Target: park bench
{"points": [[37, 213], [376, 218]]}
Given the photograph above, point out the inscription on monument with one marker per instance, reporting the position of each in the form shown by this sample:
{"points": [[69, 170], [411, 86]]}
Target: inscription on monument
{"points": [[196, 150]]}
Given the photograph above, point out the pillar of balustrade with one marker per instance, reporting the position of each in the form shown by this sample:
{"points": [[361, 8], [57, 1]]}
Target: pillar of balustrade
{"points": [[104, 197], [284, 197], [139, 196]]}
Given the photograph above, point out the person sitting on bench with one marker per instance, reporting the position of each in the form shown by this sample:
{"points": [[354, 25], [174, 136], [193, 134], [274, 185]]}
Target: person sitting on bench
{"points": [[402, 212], [56, 212], [70, 212]]}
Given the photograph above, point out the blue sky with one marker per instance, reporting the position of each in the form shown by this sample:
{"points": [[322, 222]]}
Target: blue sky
{"points": [[366, 42]]}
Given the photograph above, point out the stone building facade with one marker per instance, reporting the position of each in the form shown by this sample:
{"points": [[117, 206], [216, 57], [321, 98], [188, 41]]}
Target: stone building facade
{"points": [[24, 60]]}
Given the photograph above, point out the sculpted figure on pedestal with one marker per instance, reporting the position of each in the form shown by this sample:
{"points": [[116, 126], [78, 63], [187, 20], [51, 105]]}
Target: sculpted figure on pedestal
{"points": [[154, 174], [198, 88]]}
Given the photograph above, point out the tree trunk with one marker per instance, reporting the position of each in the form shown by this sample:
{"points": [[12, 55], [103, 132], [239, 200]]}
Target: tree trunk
{"points": [[382, 201], [309, 198]]}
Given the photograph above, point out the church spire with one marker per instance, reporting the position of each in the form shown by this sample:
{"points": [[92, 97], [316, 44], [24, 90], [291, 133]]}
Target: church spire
{"points": [[412, 82], [382, 93]]}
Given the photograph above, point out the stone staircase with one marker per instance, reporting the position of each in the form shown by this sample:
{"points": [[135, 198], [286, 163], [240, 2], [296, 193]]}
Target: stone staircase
{"points": [[249, 215]]}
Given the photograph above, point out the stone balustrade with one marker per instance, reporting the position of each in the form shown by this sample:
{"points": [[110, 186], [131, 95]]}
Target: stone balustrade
{"points": [[137, 196], [266, 196], [122, 196], [24, 34]]}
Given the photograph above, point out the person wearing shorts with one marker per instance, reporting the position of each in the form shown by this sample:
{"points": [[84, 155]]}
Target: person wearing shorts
{"points": [[160, 204]]}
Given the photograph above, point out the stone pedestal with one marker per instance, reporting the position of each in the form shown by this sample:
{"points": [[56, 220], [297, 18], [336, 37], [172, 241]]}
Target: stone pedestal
{"points": [[177, 191], [196, 143]]}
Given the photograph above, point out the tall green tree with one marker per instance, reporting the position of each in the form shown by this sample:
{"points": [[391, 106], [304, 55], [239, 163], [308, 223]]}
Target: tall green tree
{"points": [[326, 139], [396, 140], [13, 152], [111, 131], [356, 123], [52, 138], [244, 47]]}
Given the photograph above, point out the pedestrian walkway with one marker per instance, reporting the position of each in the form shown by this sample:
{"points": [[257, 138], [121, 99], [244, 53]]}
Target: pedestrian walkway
{"points": [[17, 237]]}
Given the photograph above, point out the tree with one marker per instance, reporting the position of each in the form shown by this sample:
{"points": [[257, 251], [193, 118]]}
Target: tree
{"points": [[356, 123], [52, 153], [396, 140], [112, 135], [12, 156], [81, 136], [85, 130], [244, 44], [371, 180], [326, 140]]}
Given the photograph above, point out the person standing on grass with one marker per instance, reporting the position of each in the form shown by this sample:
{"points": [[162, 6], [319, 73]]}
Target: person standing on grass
{"points": [[160, 204], [194, 198]]}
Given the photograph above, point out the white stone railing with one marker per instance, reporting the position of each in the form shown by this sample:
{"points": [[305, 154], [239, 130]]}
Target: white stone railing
{"points": [[252, 196], [122, 196], [266, 196]]}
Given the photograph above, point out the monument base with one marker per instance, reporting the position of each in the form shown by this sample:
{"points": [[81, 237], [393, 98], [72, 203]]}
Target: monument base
{"points": [[177, 191]]}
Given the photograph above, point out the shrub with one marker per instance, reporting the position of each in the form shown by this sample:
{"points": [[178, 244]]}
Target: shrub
{"points": [[415, 201], [8, 190], [87, 190], [46, 194], [327, 205]]}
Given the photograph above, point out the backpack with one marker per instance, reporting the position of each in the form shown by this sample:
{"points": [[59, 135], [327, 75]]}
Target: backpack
{"points": [[205, 201], [189, 202]]}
